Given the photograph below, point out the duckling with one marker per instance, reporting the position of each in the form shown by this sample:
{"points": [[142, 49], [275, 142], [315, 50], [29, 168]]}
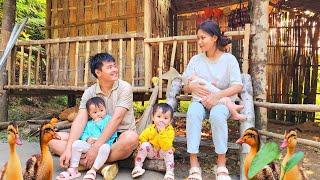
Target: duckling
{"points": [[40, 166], [12, 169], [290, 142], [252, 138]]}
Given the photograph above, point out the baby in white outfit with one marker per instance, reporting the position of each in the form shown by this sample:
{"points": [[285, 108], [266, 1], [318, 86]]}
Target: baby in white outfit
{"points": [[233, 108]]}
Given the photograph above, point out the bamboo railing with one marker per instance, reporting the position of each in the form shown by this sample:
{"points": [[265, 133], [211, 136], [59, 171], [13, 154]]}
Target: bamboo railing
{"points": [[62, 64]]}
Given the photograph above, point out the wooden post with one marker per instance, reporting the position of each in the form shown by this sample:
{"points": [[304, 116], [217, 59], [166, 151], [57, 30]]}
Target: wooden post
{"points": [[260, 25], [147, 47], [8, 19]]}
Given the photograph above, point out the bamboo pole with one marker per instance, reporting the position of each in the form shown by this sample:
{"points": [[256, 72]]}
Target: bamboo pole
{"points": [[110, 46], [99, 46], [160, 68], [132, 61], [121, 58], [86, 64], [289, 107], [76, 59], [245, 65], [173, 53], [66, 55], [47, 63], [57, 64], [147, 48], [185, 54], [29, 64], [300, 140], [38, 65], [21, 66]]}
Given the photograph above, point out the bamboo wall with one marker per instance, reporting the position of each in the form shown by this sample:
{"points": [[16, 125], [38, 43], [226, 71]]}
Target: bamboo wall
{"points": [[71, 18], [292, 67]]}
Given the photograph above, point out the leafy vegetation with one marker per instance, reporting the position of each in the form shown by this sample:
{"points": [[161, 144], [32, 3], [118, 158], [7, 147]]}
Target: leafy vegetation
{"points": [[35, 10]]}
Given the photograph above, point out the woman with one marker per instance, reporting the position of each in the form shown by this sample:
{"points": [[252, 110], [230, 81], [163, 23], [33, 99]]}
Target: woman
{"points": [[213, 65]]}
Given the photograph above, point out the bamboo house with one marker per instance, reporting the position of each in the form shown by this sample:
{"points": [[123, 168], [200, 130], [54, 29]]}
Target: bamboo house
{"points": [[147, 37]]}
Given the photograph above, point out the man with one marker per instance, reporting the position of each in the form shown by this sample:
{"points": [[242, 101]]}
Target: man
{"points": [[118, 97]]}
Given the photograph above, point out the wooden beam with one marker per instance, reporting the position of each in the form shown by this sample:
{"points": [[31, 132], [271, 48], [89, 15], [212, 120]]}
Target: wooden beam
{"points": [[62, 88], [81, 38]]}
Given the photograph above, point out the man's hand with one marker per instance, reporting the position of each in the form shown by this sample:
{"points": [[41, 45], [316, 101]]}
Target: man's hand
{"points": [[91, 140], [65, 158], [91, 155]]}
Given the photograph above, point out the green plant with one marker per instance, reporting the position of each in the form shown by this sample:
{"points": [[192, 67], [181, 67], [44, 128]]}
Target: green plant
{"points": [[267, 153], [293, 161]]}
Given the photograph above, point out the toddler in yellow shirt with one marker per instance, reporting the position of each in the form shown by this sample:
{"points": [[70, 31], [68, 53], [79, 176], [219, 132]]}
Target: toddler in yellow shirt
{"points": [[156, 141]]}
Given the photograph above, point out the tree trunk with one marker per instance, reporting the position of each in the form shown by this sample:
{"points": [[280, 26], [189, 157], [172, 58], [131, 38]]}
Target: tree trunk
{"points": [[260, 26], [8, 20]]}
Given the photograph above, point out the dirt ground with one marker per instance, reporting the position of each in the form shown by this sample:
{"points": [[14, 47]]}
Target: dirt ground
{"points": [[207, 156]]}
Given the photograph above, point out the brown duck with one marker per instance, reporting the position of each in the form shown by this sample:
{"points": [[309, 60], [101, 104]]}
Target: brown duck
{"points": [[12, 169], [252, 138], [40, 166]]}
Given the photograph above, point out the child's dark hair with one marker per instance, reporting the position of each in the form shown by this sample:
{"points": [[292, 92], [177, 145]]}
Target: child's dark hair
{"points": [[97, 101], [213, 29], [96, 61], [164, 106]]}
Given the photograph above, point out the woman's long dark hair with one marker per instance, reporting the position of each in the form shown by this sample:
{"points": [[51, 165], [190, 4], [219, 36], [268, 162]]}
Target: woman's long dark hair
{"points": [[213, 29]]}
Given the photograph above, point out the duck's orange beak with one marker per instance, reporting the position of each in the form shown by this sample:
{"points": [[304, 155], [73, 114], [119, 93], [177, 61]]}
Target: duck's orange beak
{"points": [[18, 141], [240, 141]]}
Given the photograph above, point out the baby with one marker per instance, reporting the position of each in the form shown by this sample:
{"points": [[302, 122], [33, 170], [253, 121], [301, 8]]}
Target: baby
{"points": [[233, 108], [156, 141], [95, 126]]}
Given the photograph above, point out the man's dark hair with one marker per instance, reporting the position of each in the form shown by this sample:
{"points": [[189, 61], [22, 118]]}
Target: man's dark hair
{"points": [[96, 61], [164, 106], [97, 101]]}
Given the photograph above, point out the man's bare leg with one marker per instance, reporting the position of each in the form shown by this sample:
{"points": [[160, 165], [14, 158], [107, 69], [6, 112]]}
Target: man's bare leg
{"points": [[57, 147], [122, 149], [125, 145]]}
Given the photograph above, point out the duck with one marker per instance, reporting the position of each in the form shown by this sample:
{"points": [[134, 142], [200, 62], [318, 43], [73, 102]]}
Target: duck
{"points": [[290, 142], [40, 166], [12, 169], [251, 137]]}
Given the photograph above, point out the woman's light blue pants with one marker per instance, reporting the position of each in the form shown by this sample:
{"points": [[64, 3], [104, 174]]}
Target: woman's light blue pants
{"points": [[218, 117]]}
